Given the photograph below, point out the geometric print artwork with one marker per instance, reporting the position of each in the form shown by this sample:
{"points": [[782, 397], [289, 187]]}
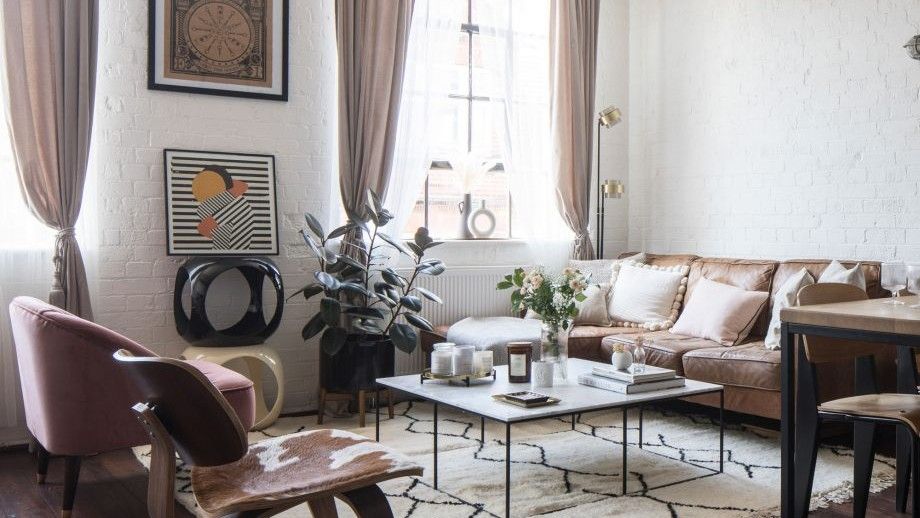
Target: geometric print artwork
{"points": [[220, 203], [560, 472]]}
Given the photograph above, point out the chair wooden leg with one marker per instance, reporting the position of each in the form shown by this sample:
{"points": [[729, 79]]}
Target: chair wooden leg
{"points": [[390, 403], [42, 455], [323, 507], [322, 406], [71, 477], [362, 407], [368, 502], [863, 458]]}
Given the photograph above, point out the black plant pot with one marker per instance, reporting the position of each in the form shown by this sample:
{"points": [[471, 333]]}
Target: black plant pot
{"points": [[357, 365]]}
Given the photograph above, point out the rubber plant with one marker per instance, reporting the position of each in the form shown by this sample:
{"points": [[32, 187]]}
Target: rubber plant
{"points": [[361, 294]]}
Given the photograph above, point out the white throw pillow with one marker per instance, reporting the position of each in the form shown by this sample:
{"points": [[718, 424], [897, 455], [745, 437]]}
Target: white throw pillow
{"points": [[836, 272], [720, 312], [600, 270], [593, 310], [647, 296], [785, 298]]}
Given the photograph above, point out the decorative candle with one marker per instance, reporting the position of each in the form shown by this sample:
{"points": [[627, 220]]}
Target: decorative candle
{"points": [[463, 360], [482, 362], [442, 358], [519, 355]]}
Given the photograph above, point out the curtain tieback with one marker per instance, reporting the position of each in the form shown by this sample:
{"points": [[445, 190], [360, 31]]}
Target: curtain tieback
{"points": [[63, 235]]}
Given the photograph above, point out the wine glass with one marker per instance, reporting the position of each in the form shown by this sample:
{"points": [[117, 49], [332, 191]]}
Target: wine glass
{"points": [[894, 279], [913, 281]]}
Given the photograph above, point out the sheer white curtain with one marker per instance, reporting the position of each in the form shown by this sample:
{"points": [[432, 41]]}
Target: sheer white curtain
{"points": [[432, 39], [515, 48]]}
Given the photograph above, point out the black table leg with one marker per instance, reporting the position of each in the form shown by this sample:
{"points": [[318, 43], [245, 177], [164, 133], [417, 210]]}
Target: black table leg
{"points": [[435, 420], [482, 429], [806, 432], [624, 450], [573, 421], [377, 407], [508, 470], [787, 422], [907, 384], [721, 431], [641, 410]]}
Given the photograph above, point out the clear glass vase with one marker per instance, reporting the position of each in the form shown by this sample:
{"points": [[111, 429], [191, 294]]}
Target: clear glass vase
{"points": [[554, 346]]}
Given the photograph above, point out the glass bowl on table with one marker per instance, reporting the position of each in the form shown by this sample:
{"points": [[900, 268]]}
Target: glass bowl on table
{"points": [[894, 279]]}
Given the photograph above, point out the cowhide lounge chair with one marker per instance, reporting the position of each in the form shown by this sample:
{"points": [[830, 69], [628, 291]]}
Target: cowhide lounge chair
{"points": [[183, 412]]}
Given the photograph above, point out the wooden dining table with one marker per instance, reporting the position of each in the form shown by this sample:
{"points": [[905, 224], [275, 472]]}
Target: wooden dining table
{"points": [[871, 320]]}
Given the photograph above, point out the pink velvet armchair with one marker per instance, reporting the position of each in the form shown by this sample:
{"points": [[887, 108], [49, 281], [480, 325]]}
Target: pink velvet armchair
{"points": [[77, 401]]}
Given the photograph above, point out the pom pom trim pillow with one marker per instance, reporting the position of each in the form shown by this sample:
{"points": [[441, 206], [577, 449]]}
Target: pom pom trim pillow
{"points": [[720, 312], [646, 296]]}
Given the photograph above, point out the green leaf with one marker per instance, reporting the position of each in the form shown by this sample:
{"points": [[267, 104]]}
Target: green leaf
{"points": [[372, 214], [429, 295], [581, 297], [328, 281], [415, 249], [313, 327], [392, 278], [308, 291], [418, 321], [332, 340], [355, 289], [422, 238], [312, 245], [330, 309], [504, 285], [350, 261], [374, 201], [340, 231], [411, 302], [403, 249], [434, 267], [404, 337], [365, 312], [518, 277], [315, 226], [367, 327]]}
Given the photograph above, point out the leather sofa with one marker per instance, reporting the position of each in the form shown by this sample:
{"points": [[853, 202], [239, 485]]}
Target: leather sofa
{"points": [[749, 371]]}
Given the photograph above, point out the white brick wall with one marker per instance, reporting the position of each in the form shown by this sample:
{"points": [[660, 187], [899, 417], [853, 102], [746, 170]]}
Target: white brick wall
{"points": [[774, 128], [134, 125]]}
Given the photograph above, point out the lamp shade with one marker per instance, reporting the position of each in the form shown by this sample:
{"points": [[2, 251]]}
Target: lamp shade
{"points": [[610, 116], [613, 189]]}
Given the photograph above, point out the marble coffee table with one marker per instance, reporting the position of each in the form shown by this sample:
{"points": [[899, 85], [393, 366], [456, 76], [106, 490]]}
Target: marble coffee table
{"points": [[575, 399]]}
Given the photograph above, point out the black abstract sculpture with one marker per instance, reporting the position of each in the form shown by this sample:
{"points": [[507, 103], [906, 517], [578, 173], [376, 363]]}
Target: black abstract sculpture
{"points": [[252, 329]]}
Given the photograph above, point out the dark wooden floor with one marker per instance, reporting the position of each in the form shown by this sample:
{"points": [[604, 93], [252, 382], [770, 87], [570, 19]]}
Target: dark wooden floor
{"points": [[114, 485]]}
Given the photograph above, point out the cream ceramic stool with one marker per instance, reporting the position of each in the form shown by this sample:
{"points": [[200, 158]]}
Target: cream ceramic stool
{"points": [[253, 355]]}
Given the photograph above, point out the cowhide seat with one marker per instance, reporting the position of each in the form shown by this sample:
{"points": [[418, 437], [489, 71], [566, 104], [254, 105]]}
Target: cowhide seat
{"points": [[185, 414]]}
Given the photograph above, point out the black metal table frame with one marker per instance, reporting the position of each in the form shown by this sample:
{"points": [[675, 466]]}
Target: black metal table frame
{"points": [[792, 501], [574, 418]]}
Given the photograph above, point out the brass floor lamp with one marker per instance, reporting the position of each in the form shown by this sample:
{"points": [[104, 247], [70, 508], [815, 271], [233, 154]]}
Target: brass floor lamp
{"points": [[607, 118]]}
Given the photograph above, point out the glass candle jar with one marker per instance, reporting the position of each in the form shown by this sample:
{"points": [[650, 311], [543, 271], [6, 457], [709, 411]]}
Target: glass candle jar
{"points": [[483, 362], [442, 359], [463, 360]]}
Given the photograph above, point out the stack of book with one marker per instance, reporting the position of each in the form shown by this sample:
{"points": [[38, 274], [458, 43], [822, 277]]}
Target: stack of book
{"points": [[631, 382]]}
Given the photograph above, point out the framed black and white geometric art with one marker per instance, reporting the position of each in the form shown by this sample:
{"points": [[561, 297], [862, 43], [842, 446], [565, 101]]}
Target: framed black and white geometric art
{"points": [[220, 203]]}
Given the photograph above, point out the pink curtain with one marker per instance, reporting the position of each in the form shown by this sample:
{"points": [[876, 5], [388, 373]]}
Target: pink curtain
{"points": [[372, 38], [573, 43], [50, 58]]}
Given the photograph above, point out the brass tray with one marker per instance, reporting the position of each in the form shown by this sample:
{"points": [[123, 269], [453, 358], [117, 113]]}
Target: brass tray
{"points": [[465, 378]]}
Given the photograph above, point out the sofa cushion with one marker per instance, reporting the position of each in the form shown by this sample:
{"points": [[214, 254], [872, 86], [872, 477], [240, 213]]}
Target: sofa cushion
{"points": [[750, 365], [721, 312], [599, 271], [585, 341], [786, 269], [747, 274], [646, 296], [664, 259], [662, 348]]}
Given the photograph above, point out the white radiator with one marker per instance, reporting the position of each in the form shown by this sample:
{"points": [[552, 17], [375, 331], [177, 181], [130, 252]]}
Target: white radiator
{"points": [[466, 292]]}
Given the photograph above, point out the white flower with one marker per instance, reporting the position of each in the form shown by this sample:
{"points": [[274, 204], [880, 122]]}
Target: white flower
{"points": [[524, 291], [569, 272], [536, 280], [559, 299]]}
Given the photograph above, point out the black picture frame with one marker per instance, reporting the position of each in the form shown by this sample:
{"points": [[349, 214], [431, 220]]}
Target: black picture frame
{"points": [[171, 251], [153, 56]]}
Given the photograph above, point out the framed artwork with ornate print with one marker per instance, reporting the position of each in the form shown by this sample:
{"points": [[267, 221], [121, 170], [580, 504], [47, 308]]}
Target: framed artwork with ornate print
{"points": [[220, 47]]}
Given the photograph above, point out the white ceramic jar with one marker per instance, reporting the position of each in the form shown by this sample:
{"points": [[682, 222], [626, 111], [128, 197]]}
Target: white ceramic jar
{"points": [[463, 360]]}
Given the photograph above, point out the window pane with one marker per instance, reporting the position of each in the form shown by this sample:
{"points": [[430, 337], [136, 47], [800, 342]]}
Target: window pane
{"points": [[486, 137], [448, 127], [444, 198]]}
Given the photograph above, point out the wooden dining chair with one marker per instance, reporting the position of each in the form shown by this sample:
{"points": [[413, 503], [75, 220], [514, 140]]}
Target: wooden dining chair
{"points": [[182, 412], [865, 410]]}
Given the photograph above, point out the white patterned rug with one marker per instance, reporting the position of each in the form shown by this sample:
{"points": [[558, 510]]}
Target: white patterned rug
{"points": [[560, 472]]}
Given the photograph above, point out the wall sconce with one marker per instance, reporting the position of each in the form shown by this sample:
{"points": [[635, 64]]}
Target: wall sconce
{"points": [[913, 47], [607, 118]]}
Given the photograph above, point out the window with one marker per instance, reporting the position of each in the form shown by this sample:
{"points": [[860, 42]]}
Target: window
{"points": [[466, 130]]}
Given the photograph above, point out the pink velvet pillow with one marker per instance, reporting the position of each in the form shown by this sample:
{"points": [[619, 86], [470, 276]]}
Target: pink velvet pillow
{"points": [[720, 312]]}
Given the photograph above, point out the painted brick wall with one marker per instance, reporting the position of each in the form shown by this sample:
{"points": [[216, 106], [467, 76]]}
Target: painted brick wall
{"points": [[134, 125], [775, 128]]}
